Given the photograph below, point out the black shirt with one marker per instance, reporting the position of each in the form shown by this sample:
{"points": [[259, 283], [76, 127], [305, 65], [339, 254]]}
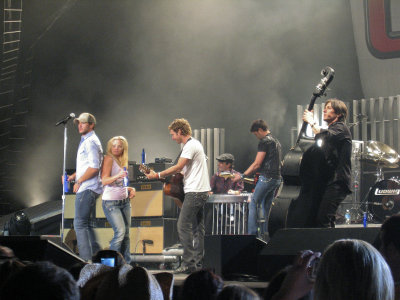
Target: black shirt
{"points": [[271, 165], [336, 146]]}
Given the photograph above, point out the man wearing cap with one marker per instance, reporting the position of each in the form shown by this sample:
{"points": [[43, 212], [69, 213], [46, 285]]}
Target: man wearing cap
{"points": [[221, 184], [268, 163], [87, 184]]}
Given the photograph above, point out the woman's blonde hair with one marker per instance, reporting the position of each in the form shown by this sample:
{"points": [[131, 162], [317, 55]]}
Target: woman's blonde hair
{"points": [[123, 159], [353, 269]]}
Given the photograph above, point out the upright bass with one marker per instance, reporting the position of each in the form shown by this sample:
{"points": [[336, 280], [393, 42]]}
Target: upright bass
{"points": [[303, 181]]}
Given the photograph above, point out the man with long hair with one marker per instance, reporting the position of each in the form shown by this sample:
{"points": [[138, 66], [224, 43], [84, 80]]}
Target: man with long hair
{"points": [[335, 144], [192, 163]]}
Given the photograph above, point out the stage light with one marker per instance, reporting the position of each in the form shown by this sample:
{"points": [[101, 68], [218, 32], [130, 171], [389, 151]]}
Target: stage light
{"points": [[19, 224]]}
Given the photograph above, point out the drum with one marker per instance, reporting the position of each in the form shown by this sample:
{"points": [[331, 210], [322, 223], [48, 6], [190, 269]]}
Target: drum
{"points": [[384, 199]]}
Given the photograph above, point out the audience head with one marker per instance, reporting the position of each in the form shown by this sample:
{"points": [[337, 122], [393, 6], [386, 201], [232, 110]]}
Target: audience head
{"points": [[203, 284], [352, 270], [41, 280], [237, 292], [141, 284]]}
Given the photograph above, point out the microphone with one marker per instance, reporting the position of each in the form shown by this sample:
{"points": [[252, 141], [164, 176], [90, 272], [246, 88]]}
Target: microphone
{"points": [[65, 120], [150, 242]]}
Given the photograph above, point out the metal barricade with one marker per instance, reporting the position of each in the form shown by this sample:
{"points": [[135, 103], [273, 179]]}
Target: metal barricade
{"points": [[229, 213]]}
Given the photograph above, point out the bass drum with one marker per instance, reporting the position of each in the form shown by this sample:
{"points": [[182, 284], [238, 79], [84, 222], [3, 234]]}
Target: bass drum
{"points": [[384, 199]]}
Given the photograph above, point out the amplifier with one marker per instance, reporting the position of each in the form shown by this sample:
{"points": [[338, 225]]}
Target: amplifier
{"points": [[135, 175], [147, 235]]}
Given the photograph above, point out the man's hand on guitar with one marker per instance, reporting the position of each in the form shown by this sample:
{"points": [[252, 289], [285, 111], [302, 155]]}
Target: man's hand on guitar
{"points": [[308, 116], [150, 174]]}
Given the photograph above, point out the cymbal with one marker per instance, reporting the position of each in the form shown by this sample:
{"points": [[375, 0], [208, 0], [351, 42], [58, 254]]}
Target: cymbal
{"points": [[381, 154]]}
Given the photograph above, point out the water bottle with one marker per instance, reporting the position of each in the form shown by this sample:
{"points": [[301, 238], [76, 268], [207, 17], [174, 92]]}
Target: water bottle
{"points": [[347, 217], [66, 183], [143, 157], [126, 179], [365, 219]]}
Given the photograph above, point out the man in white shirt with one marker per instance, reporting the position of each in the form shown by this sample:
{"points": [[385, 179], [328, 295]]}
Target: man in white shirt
{"points": [[192, 163], [87, 185]]}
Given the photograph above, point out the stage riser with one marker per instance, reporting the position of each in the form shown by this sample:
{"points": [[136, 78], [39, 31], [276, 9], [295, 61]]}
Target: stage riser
{"points": [[287, 243]]}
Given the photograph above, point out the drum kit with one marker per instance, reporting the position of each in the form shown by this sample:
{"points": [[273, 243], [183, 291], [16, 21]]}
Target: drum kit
{"points": [[383, 198]]}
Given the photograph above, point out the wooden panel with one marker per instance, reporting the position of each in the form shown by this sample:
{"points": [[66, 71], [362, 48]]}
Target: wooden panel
{"points": [[356, 128], [147, 203], [372, 119], [390, 112], [381, 117], [364, 131]]}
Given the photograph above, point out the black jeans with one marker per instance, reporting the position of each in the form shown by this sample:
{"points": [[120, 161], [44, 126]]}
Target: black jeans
{"points": [[191, 228], [333, 196]]}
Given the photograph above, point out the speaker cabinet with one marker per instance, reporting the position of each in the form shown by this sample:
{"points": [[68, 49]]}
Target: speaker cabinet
{"points": [[161, 232], [150, 201], [232, 256], [38, 248]]}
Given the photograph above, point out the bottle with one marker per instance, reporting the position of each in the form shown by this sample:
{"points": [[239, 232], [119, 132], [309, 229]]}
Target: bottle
{"points": [[347, 217], [365, 219], [126, 179], [66, 183], [143, 157]]}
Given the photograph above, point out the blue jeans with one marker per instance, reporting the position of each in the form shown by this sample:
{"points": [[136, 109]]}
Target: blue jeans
{"points": [[85, 208], [118, 213], [262, 197]]}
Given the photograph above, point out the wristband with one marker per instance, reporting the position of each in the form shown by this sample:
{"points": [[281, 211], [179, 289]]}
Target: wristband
{"points": [[241, 176], [159, 175]]}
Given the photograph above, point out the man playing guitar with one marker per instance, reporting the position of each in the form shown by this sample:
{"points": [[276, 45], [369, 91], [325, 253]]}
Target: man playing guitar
{"points": [[192, 163]]}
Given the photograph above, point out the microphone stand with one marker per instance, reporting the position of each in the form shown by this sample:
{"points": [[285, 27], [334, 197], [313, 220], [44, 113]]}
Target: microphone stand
{"points": [[63, 194]]}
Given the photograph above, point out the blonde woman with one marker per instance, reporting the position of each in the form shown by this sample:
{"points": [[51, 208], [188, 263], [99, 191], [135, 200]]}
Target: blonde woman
{"points": [[116, 197]]}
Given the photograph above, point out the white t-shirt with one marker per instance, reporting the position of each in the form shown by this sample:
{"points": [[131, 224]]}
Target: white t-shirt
{"points": [[195, 172]]}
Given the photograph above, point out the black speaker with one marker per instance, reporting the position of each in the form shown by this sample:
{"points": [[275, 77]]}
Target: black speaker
{"points": [[287, 243], [232, 256], [39, 248]]}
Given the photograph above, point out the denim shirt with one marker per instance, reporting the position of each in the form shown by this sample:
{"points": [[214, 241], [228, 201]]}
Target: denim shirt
{"points": [[90, 155]]}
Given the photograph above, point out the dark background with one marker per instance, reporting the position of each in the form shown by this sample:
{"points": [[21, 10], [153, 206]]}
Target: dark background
{"points": [[137, 65]]}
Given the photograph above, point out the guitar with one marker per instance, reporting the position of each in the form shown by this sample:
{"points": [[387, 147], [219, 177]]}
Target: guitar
{"points": [[173, 185]]}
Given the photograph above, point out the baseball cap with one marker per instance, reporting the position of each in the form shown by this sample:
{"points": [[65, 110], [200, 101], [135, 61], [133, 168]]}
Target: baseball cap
{"points": [[226, 157], [85, 118]]}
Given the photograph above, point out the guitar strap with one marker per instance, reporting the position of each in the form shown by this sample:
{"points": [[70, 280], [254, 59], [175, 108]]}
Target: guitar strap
{"points": [[179, 155]]}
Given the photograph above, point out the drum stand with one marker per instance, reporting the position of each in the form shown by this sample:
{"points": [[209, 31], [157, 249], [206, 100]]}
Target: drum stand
{"points": [[379, 177]]}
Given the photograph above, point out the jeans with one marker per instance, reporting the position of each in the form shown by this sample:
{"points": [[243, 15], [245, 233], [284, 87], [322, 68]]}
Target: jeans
{"points": [[85, 208], [191, 228], [263, 195], [118, 213]]}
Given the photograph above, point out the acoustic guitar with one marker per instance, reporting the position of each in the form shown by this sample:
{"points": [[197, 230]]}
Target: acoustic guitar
{"points": [[173, 185]]}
